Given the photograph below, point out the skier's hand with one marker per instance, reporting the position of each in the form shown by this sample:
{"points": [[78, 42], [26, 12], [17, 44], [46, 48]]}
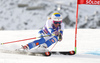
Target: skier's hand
{"points": [[56, 33], [60, 37]]}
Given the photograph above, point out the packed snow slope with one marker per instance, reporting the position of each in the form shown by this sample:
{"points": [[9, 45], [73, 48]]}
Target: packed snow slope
{"points": [[88, 47]]}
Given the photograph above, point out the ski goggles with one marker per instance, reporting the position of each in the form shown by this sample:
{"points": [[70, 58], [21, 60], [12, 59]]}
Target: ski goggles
{"points": [[57, 22]]}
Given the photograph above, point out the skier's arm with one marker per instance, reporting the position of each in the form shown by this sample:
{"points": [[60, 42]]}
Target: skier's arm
{"points": [[49, 27], [62, 29], [61, 32]]}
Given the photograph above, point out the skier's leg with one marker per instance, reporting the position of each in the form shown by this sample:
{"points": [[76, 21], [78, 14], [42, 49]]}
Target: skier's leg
{"points": [[43, 47], [32, 44], [48, 43], [36, 43], [51, 41]]}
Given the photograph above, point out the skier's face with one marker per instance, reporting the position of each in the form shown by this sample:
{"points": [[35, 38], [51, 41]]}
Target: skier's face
{"points": [[57, 23]]}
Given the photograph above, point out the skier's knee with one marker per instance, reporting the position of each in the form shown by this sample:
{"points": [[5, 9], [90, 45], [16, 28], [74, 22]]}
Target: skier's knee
{"points": [[40, 41], [31, 45], [51, 41], [36, 43]]}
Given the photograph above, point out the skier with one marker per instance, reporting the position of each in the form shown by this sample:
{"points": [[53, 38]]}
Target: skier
{"points": [[53, 30]]}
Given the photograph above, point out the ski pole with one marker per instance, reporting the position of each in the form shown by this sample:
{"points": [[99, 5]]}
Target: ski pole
{"points": [[56, 42], [23, 40], [53, 46]]}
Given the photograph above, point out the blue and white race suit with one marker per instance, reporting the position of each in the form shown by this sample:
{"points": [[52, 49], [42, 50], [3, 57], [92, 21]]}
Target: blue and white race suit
{"points": [[48, 29]]}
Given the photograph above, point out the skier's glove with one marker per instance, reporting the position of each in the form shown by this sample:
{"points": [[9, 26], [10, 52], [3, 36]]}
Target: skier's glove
{"points": [[56, 33], [60, 37]]}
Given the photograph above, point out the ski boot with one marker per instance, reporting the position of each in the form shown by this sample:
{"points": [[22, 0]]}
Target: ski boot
{"points": [[24, 48], [42, 48]]}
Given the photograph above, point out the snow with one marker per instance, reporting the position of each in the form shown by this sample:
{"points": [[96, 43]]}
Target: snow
{"points": [[88, 47], [21, 19], [14, 21]]}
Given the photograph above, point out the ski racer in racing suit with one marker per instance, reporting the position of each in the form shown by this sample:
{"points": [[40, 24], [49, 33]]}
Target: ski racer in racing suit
{"points": [[53, 30]]}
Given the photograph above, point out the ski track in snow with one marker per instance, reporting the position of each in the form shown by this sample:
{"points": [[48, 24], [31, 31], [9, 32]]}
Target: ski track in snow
{"points": [[88, 43]]}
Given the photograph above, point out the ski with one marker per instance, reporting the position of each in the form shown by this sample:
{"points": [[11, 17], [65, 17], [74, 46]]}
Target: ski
{"points": [[26, 53], [40, 53], [63, 52], [49, 53]]}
